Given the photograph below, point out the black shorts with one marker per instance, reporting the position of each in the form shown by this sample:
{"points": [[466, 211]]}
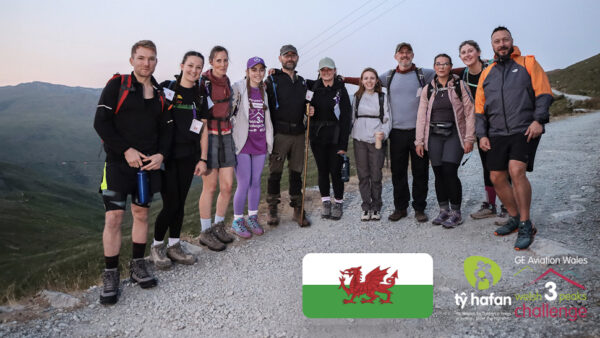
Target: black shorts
{"points": [[512, 147], [120, 180]]}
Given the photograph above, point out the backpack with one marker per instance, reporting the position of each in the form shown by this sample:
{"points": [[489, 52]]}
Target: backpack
{"points": [[457, 88], [126, 87], [381, 103], [418, 72]]}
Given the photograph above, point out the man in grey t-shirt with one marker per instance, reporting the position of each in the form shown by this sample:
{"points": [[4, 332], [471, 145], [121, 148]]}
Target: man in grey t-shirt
{"points": [[404, 86]]}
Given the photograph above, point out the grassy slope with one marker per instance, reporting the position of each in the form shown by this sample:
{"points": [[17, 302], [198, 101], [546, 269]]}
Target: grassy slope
{"points": [[581, 78]]}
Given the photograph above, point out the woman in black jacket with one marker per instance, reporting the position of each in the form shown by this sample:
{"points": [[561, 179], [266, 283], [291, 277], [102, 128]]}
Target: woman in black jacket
{"points": [[329, 131]]}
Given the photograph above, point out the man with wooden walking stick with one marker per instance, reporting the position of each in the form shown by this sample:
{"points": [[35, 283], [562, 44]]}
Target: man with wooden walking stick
{"points": [[286, 92]]}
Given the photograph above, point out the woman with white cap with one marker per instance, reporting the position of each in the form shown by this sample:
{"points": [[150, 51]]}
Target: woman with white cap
{"points": [[329, 131]]}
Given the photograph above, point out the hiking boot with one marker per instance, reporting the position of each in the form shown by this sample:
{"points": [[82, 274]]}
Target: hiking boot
{"points": [[305, 219], [178, 255], [239, 228], [441, 217], [138, 272], [254, 226], [454, 219], [511, 226], [273, 218], [375, 215], [221, 234], [158, 256], [397, 215], [420, 216], [503, 212], [487, 210], [337, 210], [208, 239], [366, 216], [526, 234], [326, 212], [110, 288]]}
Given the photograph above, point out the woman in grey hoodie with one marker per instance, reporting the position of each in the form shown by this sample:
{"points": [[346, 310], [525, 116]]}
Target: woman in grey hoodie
{"points": [[371, 125]]}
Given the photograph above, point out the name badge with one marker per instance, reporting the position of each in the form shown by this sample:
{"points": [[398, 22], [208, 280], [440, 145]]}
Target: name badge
{"points": [[196, 126], [169, 94], [209, 102], [309, 95], [419, 92]]}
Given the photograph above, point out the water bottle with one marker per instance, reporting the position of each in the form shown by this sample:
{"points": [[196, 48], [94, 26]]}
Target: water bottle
{"points": [[143, 185], [346, 168]]}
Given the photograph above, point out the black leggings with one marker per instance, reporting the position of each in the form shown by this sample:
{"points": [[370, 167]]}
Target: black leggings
{"points": [[447, 185], [177, 179], [486, 173], [329, 163]]}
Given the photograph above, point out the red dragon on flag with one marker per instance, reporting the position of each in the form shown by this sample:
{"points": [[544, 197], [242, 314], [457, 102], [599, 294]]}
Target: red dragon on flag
{"points": [[373, 283]]}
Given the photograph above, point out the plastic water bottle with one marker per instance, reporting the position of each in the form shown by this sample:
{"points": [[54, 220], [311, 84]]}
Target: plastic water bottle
{"points": [[346, 169], [143, 185]]}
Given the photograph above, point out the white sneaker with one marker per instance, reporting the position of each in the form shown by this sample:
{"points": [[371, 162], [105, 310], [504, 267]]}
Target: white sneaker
{"points": [[375, 215], [366, 216]]}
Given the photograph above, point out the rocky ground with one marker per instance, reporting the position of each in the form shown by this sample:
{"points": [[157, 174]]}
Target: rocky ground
{"points": [[254, 287]]}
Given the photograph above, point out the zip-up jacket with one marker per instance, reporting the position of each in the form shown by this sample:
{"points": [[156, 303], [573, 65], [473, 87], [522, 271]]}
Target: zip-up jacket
{"points": [[325, 127], [287, 102], [462, 108], [511, 94], [138, 124], [240, 119]]}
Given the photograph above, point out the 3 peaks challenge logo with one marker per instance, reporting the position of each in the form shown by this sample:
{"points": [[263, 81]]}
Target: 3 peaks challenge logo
{"points": [[356, 285]]}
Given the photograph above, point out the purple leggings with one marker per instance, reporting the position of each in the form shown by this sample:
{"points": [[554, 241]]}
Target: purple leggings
{"points": [[247, 173]]}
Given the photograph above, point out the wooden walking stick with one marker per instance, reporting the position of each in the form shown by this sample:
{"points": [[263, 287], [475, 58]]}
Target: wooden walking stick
{"points": [[305, 163]]}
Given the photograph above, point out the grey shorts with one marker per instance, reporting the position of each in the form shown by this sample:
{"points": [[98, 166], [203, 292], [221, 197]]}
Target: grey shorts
{"points": [[220, 155], [445, 148]]}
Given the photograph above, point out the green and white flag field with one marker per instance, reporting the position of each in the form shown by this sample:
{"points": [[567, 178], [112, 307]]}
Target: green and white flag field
{"points": [[367, 285]]}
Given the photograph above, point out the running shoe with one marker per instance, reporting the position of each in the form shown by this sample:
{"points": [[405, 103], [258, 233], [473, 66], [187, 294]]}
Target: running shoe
{"points": [[526, 234], [487, 210], [366, 216], [375, 215], [454, 219], [239, 228], [511, 226], [441, 217], [254, 226]]}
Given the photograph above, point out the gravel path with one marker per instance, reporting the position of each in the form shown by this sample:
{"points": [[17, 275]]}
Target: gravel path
{"points": [[254, 287]]}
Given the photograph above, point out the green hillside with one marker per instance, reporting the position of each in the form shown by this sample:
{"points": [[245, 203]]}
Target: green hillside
{"points": [[581, 78], [49, 127]]}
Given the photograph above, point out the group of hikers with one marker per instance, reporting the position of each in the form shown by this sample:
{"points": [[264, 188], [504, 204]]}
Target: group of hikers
{"points": [[200, 124]]}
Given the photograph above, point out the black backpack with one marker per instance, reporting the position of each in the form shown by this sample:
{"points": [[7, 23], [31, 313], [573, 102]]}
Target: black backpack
{"points": [[457, 88], [418, 72], [381, 103]]}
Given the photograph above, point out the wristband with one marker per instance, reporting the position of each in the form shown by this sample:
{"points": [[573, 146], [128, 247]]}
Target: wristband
{"points": [[203, 160]]}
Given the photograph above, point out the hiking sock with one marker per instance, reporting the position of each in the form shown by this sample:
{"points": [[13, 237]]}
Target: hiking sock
{"points": [[338, 201], [138, 250], [173, 241], [219, 219], [455, 207], [111, 262], [325, 199], [491, 195], [444, 205], [238, 216], [252, 212], [205, 223], [155, 243]]}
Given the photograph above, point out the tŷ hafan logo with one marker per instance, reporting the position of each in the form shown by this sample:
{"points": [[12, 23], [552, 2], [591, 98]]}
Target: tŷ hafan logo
{"points": [[482, 273]]}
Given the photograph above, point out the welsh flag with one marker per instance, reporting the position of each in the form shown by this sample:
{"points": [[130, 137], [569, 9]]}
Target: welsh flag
{"points": [[367, 285]]}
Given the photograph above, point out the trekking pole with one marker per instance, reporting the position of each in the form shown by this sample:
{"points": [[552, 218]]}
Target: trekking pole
{"points": [[305, 163]]}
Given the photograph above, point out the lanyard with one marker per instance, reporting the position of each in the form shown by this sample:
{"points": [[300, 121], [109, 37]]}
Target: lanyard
{"points": [[194, 109]]}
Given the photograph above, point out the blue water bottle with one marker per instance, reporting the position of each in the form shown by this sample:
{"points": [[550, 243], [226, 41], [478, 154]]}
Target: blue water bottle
{"points": [[143, 185], [346, 168]]}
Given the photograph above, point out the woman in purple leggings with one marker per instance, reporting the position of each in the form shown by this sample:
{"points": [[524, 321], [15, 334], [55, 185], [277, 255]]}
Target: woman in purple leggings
{"points": [[253, 138]]}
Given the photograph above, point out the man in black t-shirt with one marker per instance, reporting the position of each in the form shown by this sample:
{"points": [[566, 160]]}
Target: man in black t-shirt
{"points": [[136, 129]]}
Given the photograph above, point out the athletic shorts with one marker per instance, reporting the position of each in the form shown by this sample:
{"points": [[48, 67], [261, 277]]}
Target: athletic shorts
{"points": [[512, 147], [120, 180], [220, 155]]}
